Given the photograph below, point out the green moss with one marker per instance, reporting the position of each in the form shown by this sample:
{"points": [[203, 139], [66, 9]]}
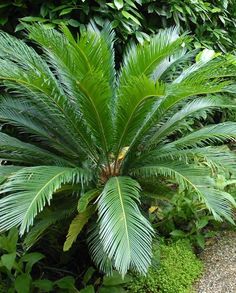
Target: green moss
{"points": [[177, 270]]}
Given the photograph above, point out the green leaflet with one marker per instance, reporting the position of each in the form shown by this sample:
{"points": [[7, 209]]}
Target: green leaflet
{"points": [[76, 226], [86, 198]]}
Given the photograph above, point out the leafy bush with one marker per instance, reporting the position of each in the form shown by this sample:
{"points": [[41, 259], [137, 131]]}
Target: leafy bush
{"points": [[178, 268], [213, 22], [181, 216], [85, 138], [16, 267]]}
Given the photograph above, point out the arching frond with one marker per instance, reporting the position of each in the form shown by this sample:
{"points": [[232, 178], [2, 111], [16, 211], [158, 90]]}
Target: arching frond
{"points": [[196, 179], [219, 133], [144, 59], [101, 259], [24, 72], [33, 187], [177, 92], [215, 158], [32, 119], [124, 233], [135, 99], [47, 219], [189, 110], [7, 170], [85, 69], [14, 150]]}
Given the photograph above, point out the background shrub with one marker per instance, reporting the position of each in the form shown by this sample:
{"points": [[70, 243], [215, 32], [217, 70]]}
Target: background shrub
{"points": [[212, 22], [177, 269]]}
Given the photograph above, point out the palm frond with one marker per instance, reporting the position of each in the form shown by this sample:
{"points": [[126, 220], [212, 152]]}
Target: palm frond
{"points": [[101, 259], [7, 170], [215, 158], [201, 71], [190, 109], [135, 99], [84, 68], [47, 219], [178, 92], [25, 72], [125, 234], [32, 119], [33, 187], [195, 179], [218, 133], [144, 59], [14, 150]]}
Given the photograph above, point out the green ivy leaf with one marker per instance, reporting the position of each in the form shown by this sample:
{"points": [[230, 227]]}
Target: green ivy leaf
{"points": [[45, 285], [7, 260], [178, 233], [127, 15], [33, 19], [74, 23], [31, 259], [22, 283], [66, 11], [119, 4], [66, 283]]}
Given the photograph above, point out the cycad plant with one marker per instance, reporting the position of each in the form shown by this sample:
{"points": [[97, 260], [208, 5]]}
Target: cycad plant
{"points": [[78, 137]]}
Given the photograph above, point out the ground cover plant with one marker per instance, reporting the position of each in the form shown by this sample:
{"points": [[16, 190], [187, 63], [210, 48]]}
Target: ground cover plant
{"points": [[175, 268], [87, 140]]}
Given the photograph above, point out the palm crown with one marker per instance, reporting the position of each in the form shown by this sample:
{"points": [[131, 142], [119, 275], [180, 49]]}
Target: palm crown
{"points": [[93, 133]]}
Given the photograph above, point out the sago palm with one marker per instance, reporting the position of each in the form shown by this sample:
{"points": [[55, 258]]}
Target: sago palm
{"points": [[84, 138]]}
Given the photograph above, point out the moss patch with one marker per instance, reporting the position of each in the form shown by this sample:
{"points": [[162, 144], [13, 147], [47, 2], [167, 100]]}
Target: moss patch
{"points": [[177, 270]]}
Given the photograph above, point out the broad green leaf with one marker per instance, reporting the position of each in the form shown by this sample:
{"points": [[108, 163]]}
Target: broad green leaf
{"points": [[23, 283], [66, 11], [7, 260], [44, 285], [202, 222], [66, 283], [31, 259], [33, 19], [178, 233], [200, 241], [12, 239], [130, 16], [119, 4], [74, 22], [88, 275]]}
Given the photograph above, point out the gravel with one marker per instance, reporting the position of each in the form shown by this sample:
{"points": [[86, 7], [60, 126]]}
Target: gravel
{"points": [[219, 261]]}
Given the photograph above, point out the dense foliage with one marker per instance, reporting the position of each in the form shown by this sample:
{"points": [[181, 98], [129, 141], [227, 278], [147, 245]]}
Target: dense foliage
{"points": [[87, 140], [174, 270], [16, 269], [212, 23]]}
